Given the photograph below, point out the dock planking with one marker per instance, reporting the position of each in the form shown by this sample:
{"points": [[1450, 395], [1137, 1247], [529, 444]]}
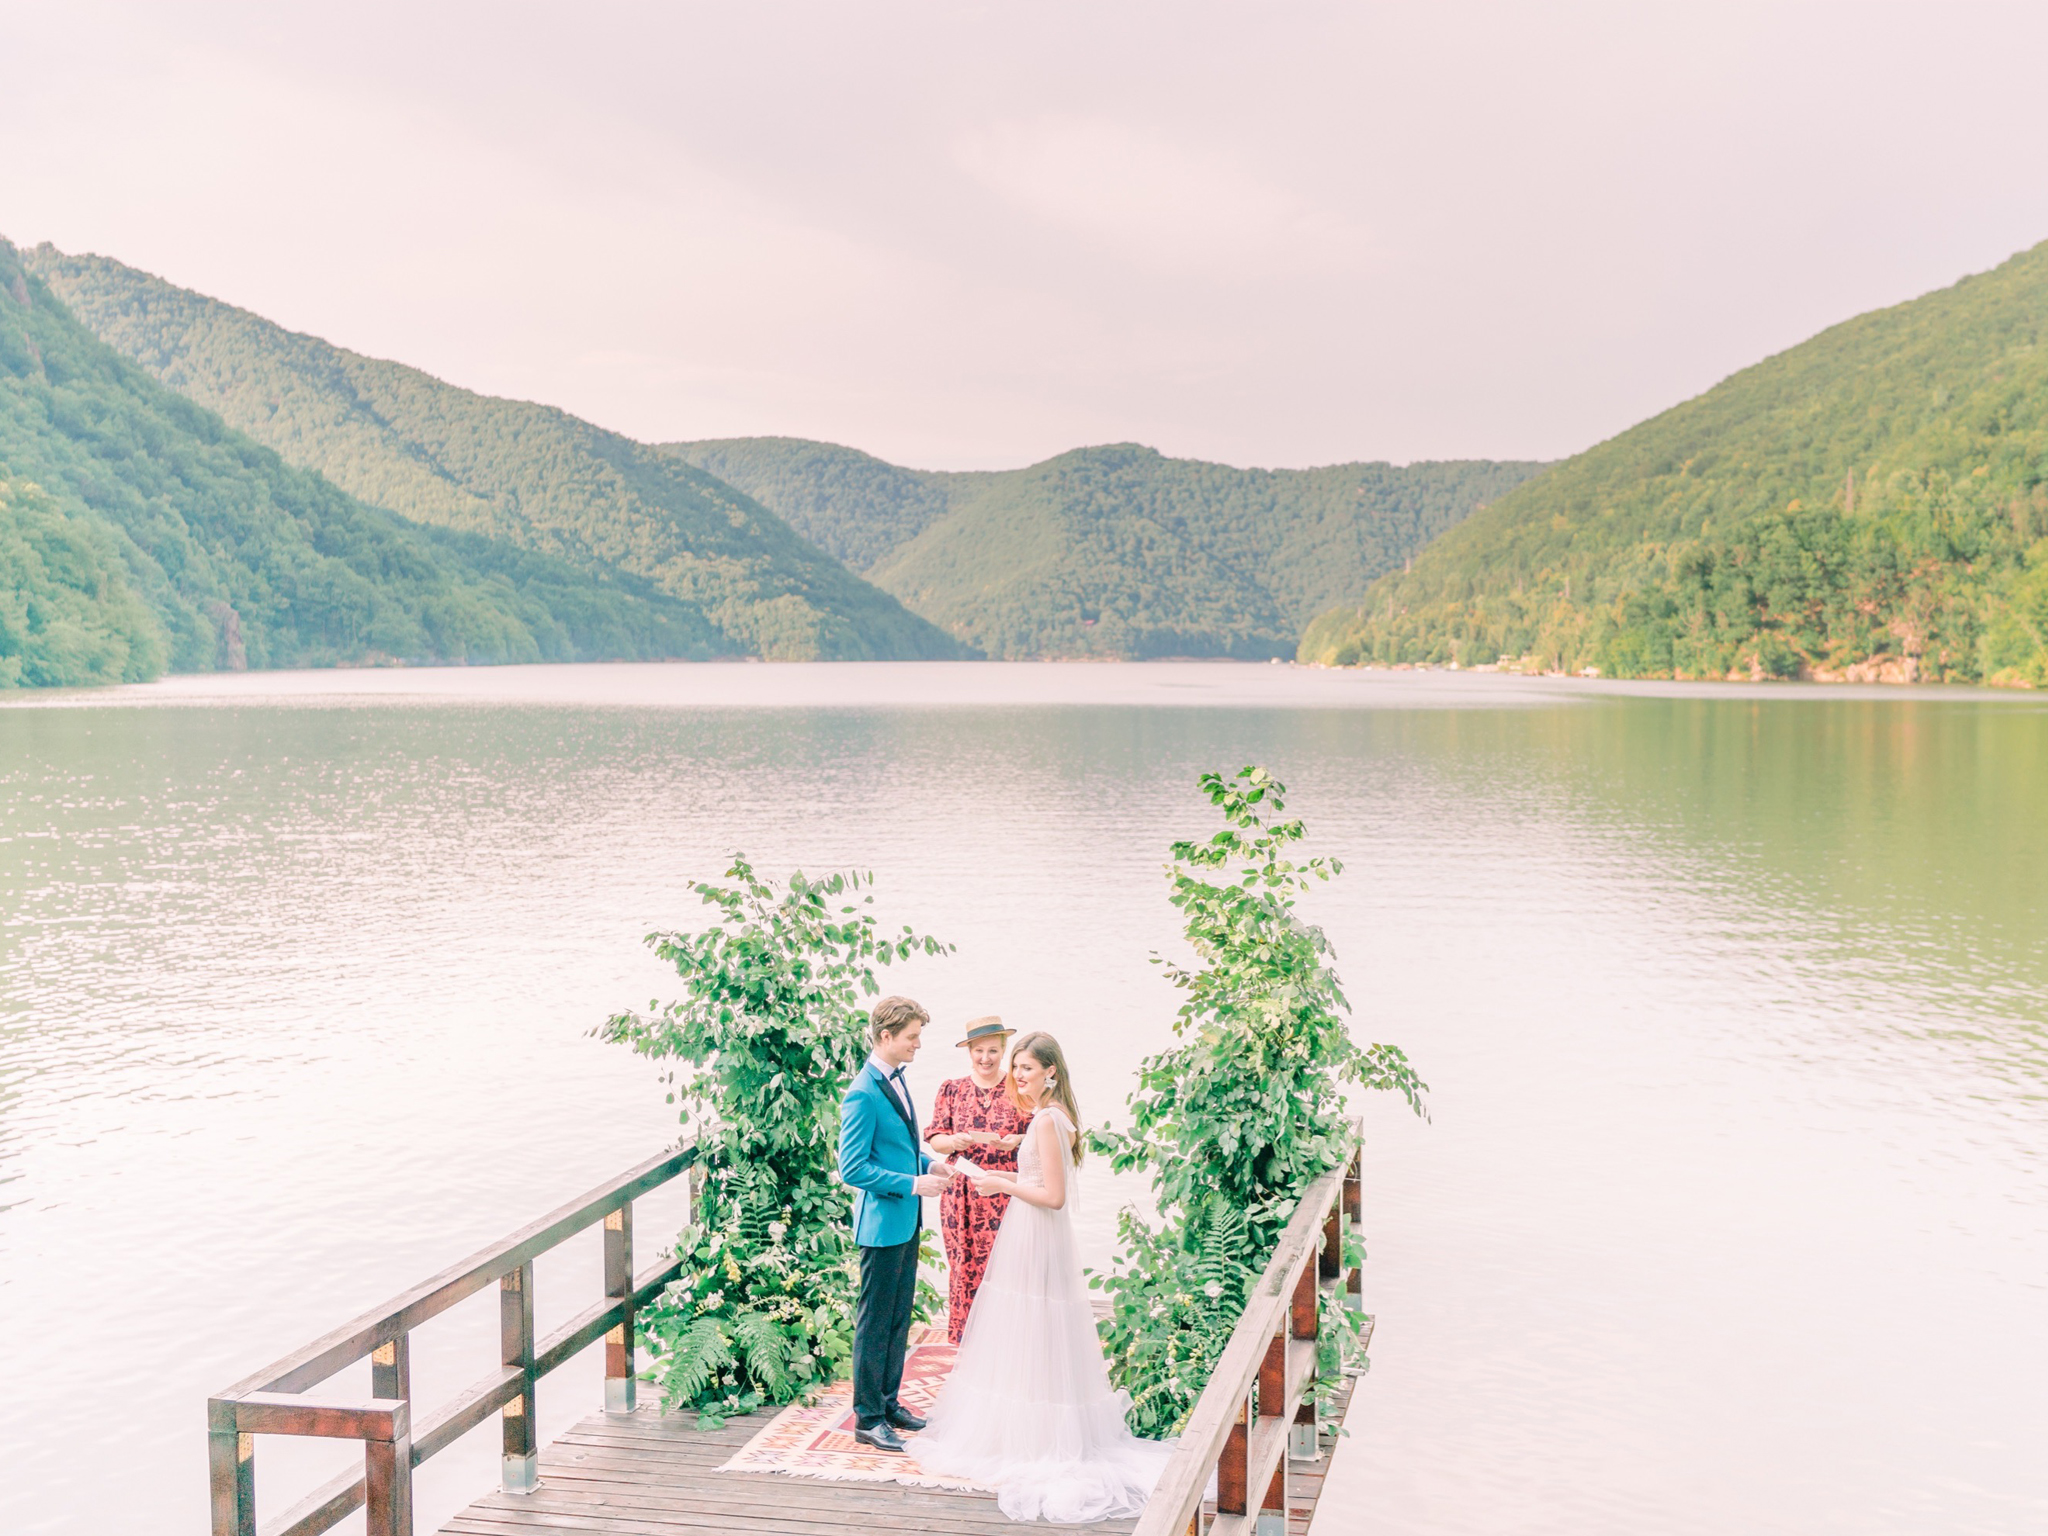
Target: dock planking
{"points": [[644, 1474], [651, 1474]]}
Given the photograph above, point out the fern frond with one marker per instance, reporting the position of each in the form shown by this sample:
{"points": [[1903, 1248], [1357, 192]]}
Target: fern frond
{"points": [[700, 1353], [766, 1352]]}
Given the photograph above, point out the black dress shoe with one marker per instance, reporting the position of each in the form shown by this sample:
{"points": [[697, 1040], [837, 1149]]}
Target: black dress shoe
{"points": [[903, 1418], [880, 1436]]}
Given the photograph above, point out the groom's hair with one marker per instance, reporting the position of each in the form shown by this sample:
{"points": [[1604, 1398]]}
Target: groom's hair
{"points": [[893, 1015]]}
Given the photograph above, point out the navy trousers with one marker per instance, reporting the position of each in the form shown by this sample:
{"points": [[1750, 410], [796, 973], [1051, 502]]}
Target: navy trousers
{"points": [[881, 1329]]}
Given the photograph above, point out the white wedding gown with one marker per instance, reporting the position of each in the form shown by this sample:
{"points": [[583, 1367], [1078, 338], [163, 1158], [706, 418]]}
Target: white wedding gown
{"points": [[1028, 1409]]}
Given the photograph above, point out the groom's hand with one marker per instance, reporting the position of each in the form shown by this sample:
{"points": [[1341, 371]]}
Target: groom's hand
{"points": [[931, 1183]]}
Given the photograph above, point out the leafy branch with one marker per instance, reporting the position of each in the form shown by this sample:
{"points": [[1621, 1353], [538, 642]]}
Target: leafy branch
{"points": [[767, 1033], [1236, 1120]]}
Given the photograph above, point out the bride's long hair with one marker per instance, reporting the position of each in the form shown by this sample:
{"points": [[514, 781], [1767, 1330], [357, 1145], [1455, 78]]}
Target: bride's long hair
{"points": [[1045, 1050]]}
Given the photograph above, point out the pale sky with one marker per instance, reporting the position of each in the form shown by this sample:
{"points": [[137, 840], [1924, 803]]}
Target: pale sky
{"points": [[973, 235]]}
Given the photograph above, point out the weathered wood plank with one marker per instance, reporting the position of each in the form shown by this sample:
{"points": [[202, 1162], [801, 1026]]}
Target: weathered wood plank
{"points": [[643, 1474], [285, 1413]]}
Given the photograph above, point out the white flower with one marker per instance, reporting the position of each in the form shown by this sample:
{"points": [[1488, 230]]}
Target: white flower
{"points": [[776, 1229], [1213, 1289]]}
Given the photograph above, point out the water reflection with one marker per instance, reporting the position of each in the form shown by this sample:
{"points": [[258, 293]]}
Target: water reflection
{"points": [[1733, 1007]]}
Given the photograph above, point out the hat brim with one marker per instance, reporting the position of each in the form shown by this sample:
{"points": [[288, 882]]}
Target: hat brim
{"points": [[988, 1034]]}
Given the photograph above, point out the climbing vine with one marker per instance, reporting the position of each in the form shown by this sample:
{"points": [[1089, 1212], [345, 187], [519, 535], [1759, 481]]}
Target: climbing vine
{"points": [[1243, 1113]]}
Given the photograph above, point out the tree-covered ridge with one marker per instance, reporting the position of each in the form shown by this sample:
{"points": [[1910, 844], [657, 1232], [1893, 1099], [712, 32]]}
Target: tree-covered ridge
{"points": [[851, 504], [526, 474], [1871, 504], [138, 531], [1113, 551]]}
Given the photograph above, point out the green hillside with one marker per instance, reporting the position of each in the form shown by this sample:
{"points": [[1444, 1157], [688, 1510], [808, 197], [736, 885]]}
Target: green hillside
{"points": [[1115, 551], [850, 504], [138, 532], [525, 474], [1871, 504]]}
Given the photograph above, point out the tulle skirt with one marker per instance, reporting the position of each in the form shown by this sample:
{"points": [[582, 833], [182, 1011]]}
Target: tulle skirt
{"points": [[1028, 1409]]}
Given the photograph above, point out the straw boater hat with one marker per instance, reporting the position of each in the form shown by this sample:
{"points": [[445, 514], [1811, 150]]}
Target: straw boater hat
{"points": [[989, 1028]]}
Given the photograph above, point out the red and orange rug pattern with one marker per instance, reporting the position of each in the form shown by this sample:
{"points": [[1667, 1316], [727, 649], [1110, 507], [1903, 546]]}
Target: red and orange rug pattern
{"points": [[818, 1441]]}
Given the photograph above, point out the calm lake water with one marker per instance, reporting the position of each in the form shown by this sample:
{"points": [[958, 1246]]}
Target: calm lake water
{"points": [[1730, 1216]]}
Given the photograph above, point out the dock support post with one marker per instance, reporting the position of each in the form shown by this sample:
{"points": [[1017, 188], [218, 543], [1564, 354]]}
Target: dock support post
{"points": [[1354, 1213], [387, 1481], [391, 1368], [231, 1465], [515, 1329], [1304, 1322], [1275, 1402], [618, 1286], [1272, 1519], [1233, 1467]]}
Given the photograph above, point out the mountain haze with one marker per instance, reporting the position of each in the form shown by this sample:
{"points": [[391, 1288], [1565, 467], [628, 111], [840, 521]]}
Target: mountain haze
{"points": [[139, 532], [526, 475], [1114, 551], [1871, 504]]}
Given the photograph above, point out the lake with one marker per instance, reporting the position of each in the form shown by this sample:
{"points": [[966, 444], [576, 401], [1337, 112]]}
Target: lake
{"points": [[1730, 1214]]}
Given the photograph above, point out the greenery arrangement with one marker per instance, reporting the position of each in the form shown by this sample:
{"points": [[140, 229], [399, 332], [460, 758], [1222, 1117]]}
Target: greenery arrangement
{"points": [[1870, 505], [518, 474], [137, 532], [1115, 551], [1236, 1120], [767, 1034]]}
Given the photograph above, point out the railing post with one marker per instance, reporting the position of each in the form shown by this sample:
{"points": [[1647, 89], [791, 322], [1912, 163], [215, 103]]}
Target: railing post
{"points": [[387, 1480], [618, 1286], [231, 1470], [1274, 1404], [515, 1329], [1354, 1211], [1304, 1321], [391, 1368], [1233, 1467]]}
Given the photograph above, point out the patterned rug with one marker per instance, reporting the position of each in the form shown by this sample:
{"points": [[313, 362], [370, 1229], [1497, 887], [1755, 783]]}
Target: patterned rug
{"points": [[818, 1441]]}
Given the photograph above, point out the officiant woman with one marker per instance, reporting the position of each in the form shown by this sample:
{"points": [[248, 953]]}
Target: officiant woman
{"points": [[973, 1116]]}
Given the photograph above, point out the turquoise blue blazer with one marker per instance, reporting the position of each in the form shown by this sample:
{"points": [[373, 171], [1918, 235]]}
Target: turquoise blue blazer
{"points": [[879, 1156]]}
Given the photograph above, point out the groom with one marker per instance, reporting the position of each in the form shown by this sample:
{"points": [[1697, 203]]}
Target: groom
{"points": [[879, 1156]]}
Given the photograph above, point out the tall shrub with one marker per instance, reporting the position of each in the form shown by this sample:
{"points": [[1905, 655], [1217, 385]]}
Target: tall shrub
{"points": [[1247, 1110], [769, 1030]]}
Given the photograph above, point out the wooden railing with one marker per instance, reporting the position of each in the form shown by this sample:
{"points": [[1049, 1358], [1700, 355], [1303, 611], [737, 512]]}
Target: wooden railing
{"points": [[275, 1402], [1258, 1412]]}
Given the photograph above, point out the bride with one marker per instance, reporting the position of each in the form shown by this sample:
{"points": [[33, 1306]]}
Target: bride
{"points": [[1028, 1408]]}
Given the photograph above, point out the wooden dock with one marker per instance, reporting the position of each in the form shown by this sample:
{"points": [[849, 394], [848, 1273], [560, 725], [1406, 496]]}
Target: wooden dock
{"points": [[1255, 1433], [646, 1474]]}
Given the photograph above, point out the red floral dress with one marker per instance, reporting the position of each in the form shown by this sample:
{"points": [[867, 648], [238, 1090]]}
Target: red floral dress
{"points": [[968, 1221]]}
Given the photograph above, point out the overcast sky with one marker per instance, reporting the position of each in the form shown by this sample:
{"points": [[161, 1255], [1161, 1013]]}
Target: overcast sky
{"points": [[964, 235]]}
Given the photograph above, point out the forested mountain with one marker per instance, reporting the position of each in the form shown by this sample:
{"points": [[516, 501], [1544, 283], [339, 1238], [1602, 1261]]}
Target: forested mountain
{"points": [[848, 503], [523, 474], [137, 531], [1112, 551], [1871, 504]]}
